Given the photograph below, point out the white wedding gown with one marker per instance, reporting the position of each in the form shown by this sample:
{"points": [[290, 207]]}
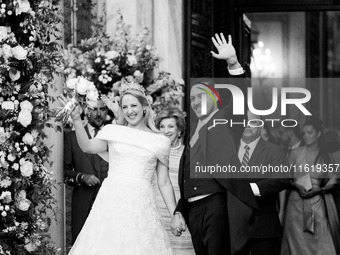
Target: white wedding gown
{"points": [[124, 219]]}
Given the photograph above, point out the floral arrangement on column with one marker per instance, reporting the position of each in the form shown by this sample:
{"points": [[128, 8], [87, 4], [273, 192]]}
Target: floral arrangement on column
{"points": [[109, 62], [29, 56]]}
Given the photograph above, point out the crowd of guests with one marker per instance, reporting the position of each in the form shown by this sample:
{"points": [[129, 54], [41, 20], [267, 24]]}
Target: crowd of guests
{"points": [[257, 216]]}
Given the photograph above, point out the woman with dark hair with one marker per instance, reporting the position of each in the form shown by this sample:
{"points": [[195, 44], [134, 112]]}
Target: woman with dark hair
{"points": [[311, 223], [171, 123]]}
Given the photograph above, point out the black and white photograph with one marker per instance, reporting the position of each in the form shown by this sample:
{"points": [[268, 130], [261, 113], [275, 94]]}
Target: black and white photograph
{"points": [[169, 127]]}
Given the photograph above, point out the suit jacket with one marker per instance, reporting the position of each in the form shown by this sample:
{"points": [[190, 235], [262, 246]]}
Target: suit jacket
{"points": [[268, 223], [83, 196], [217, 146]]}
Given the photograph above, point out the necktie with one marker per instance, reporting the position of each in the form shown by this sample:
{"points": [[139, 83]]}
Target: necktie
{"points": [[95, 132], [245, 158]]}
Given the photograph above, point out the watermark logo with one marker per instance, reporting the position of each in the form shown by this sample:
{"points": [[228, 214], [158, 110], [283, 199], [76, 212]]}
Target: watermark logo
{"points": [[204, 97], [239, 100]]}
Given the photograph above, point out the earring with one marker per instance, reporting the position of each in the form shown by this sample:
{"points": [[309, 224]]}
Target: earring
{"points": [[144, 112]]}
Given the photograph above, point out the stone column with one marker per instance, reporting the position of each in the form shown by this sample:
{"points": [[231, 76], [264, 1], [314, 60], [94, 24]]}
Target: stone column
{"points": [[55, 140]]}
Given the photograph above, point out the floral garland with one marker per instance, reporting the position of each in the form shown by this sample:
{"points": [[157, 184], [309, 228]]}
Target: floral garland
{"points": [[109, 63], [28, 59]]}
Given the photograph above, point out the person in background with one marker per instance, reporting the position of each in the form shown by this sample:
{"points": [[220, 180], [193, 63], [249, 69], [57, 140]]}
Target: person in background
{"points": [[290, 138], [311, 224], [265, 237], [171, 122], [85, 172]]}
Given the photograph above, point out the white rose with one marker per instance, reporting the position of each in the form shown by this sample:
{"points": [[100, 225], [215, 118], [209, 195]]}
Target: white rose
{"points": [[22, 6], [11, 157], [26, 105], [7, 51], [25, 118], [28, 139], [15, 166], [7, 105], [112, 54], [26, 169], [14, 75], [19, 52], [131, 60], [92, 95], [71, 83], [3, 214], [3, 33], [84, 86], [23, 204], [35, 149]]}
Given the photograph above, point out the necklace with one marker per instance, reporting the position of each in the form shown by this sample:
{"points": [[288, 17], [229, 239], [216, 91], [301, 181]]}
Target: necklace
{"points": [[176, 147]]}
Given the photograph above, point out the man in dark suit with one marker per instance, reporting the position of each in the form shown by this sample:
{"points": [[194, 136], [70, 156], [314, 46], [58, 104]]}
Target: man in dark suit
{"points": [[85, 172], [218, 211], [265, 237], [291, 138]]}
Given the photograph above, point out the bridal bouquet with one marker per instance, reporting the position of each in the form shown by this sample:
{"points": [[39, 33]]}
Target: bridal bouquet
{"points": [[82, 91]]}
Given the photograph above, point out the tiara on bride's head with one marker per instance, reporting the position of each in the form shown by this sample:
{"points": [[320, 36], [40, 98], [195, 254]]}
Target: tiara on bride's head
{"points": [[131, 86]]}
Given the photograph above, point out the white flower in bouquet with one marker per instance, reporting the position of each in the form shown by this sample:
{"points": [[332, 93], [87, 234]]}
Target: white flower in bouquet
{"points": [[22, 6], [26, 168], [111, 54], [92, 95], [131, 60], [28, 139], [5, 183], [3, 33], [3, 214], [83, 86], [71, 83], [14, 75], [26, 105], [19, 52], [6, 197], [25, 118], [23, 204], [7, 105], [6, 51]]}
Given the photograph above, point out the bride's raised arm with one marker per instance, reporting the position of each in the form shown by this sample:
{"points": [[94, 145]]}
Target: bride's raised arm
{"points": [[92, 146]]}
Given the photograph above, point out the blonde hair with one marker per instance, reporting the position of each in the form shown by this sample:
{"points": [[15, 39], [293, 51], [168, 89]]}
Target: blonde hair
{"points": [[148, 118]]}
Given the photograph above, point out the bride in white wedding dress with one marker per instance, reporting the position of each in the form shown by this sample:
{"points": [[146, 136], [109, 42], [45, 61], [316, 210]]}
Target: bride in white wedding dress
{"points": [[124, 219]]}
